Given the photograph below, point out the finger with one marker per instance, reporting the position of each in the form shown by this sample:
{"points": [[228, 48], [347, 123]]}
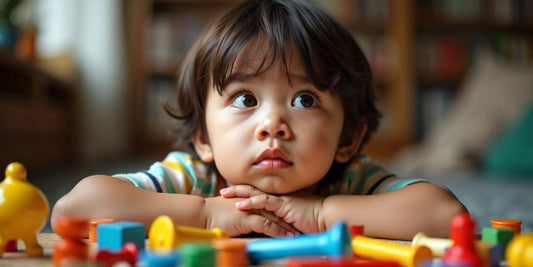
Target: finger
{"points": [[264, 201], [277, 220], [260, 224], [240, 191]]}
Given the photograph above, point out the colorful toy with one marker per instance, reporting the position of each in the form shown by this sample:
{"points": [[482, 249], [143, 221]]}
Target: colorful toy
{"points": [[93, 224], [11, 246], [437, 245], [336, 262], [112, 236], [164, 235], [72, 248], [197, 255], [488, 251], [501, 236], [507, 223], [520, 251], [384, 250], [159, 259], [334, 242], [462, 252], [231, 252], [356, 230], [23, 210], [129, 254]]}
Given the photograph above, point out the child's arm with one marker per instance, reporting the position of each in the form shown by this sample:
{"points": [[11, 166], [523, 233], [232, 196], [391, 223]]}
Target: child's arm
{"points": [[400, 214], [103, 196]]}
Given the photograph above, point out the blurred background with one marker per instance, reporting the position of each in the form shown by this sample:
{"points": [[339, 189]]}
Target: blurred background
{"points": [[82, 84]]}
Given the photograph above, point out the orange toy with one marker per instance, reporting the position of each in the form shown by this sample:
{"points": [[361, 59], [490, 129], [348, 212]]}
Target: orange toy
{"points": [[23, 210], [92, 227], [231, 252], [72, 248], [507, 223]]}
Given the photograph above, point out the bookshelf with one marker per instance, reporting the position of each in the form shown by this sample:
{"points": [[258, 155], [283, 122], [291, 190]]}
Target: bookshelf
{"points": [[419, 51], [160, 33], [38, 118], [448, 35]]}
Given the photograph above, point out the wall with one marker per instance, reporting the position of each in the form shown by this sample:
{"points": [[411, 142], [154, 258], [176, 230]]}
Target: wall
{"points": [[92, 32]]}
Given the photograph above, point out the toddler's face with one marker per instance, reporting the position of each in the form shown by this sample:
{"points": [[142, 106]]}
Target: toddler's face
{"points": [[275, 135]]}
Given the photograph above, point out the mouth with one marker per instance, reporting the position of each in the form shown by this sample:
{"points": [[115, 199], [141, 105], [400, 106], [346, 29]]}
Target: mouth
{"points": [[272, 159]]}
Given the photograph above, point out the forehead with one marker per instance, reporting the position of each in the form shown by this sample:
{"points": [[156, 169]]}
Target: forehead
{"points": [[257, 57]]}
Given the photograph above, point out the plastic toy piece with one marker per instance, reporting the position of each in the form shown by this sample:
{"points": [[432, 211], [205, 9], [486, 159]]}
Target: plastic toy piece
{"points": [[11, 246], [501, 236], [356, 230], [93, 237], [488, 251], [197, 255], [231, 252], [507, 223], [335, 242], [72, 248], [158, 259], [164, 235], [384, 250], [437, 245], [23, 210], [520, 251], [336, 262], [112, 236], [462, 252], [128, 254]]}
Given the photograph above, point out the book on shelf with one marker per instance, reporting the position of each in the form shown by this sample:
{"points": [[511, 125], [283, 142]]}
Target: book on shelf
{"points": [[169, 38]]}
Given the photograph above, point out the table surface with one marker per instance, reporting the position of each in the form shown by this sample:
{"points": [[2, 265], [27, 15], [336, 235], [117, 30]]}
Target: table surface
{"points": [[47, 241], [20, 258]]}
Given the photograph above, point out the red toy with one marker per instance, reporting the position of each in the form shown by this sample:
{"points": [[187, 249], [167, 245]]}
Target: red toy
{"points": [[129, 253], [11, 246], [462, 252], [72, 248]]}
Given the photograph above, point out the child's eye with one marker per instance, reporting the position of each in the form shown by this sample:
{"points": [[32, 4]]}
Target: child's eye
{"points": [[245, 100], [304, 100]]}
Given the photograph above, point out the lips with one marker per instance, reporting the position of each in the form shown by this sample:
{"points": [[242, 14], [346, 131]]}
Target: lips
{"points": [[272, 159]]}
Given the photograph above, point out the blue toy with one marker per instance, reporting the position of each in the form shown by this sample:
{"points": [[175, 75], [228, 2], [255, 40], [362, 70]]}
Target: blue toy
{"points": [[160, 259], [112, 236], [335, 242]]}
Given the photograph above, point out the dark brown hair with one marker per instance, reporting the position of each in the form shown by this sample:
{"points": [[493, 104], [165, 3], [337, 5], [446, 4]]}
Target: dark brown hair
{"points": [[330, 56]]}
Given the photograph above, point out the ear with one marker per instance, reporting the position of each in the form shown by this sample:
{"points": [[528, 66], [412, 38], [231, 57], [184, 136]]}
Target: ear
{"points": [[345, 153], [202, 147]]}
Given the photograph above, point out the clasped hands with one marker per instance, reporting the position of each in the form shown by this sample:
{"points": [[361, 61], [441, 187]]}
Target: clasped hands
{"points": [[242, 209]]}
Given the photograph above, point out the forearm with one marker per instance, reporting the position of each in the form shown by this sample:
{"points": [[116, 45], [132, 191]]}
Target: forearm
{"points": [[399, 214], [106, 197]]}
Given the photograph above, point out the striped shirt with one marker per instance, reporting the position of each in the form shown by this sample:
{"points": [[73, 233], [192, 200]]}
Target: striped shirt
{"points": [[180, 173]]}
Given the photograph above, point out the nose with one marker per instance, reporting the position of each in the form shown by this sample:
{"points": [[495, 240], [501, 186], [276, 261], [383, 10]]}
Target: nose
{"points": [[273, 126]]}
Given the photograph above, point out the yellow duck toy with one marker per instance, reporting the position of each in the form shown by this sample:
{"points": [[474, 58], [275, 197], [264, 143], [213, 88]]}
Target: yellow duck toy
{"points": [[23, 210]]}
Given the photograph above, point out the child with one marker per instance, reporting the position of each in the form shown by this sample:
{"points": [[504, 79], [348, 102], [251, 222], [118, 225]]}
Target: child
{"points": [[275, 103]]}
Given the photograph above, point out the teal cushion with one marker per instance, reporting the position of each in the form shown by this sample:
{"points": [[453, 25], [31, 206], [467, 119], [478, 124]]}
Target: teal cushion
{"points": [[512, 153]]}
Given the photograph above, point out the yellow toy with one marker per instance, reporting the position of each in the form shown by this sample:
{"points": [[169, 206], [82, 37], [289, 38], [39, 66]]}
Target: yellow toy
{"points": [[520, 251], [377, 249], [23, 210], [165, 235]]}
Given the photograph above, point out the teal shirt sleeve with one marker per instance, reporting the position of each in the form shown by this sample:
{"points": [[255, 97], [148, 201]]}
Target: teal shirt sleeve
{"points": [[363, 177], [177, 173]]}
